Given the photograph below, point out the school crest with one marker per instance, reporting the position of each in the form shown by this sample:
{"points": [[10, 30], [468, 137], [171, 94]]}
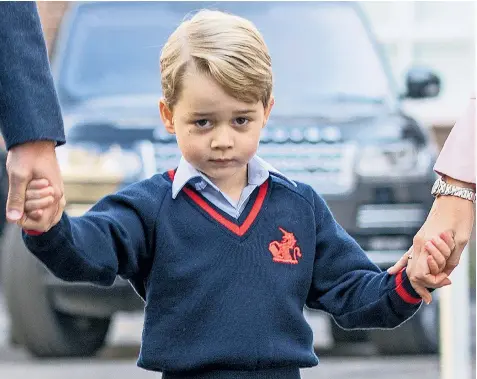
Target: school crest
{"points": [[286, 250]]}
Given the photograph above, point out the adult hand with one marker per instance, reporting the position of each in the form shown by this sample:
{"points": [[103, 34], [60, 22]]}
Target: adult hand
{"points": [[420, 267], [451, 216], [32, 160]]}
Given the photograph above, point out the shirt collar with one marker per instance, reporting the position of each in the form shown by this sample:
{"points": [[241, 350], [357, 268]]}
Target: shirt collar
{"points": [[258, 172], [264, 165]]}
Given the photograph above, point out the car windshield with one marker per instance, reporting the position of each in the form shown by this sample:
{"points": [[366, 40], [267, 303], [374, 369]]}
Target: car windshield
{"points": [[321, 52]]}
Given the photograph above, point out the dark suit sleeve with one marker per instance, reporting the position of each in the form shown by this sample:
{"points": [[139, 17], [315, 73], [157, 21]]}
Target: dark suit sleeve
{"points": [[29, 108]]}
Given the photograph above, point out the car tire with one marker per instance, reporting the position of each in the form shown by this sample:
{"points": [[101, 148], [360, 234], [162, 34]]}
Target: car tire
{"points": [[35, 324], [341, 336], [419, 335]]}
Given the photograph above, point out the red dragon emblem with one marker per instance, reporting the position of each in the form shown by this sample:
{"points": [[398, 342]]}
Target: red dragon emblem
{"points": [[285, 251]]}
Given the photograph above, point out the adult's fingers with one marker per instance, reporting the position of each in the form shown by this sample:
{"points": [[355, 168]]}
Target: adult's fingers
{"points": [[430, 281], [423, 293], [17, 184], [433, 266], [400, 264], [434, 281], [59, 211], [454, 258]]}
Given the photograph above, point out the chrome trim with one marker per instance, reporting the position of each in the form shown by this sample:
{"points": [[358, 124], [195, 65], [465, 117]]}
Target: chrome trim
{"points": [[390, 215], [385, 258], [148, 157]]}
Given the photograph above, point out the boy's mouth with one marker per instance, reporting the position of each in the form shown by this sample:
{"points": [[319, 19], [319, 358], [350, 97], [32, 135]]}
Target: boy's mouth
{"points": [[223, 162]]}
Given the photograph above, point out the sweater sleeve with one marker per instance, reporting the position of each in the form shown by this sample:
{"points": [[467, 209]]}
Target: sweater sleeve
{"points": [[347, 285], [29, 107], [114, 238]]}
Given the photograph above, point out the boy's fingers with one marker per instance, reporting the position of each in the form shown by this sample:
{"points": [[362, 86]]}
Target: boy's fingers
{"points": [[38, 184], [448, 239], [39, 193], [35, 215], [37, 226], [32, 205], [442, 246], [436, 254]]}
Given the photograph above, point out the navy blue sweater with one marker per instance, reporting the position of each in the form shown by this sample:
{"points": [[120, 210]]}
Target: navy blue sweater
{"points": [[226, 294]]}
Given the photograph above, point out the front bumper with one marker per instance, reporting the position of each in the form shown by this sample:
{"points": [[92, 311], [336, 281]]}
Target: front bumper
{"points": [[85, 299], [383, 217]]}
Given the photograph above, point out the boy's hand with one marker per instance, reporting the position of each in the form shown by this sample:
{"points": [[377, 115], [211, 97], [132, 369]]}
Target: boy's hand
{"points": [[424, 270], [38, 197]]}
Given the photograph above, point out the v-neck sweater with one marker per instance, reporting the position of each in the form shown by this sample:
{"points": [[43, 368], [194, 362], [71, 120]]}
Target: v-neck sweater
{"points": [[224, 297]]}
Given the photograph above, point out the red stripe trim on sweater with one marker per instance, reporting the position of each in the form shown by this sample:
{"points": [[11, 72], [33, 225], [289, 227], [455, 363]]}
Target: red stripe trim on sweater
{"points": [[402, 292], [171, 174], [240, 230], [32, 232]]}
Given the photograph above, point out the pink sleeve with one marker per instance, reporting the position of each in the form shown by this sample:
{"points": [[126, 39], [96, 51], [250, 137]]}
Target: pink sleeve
{"points": [[457, 158]]}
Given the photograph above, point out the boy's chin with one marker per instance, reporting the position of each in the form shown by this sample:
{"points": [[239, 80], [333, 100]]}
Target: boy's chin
{"points": [[223, 172]]}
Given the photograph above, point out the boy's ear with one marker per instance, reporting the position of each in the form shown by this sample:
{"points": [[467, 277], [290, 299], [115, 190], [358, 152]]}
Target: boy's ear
{"points": [[166, 116], [268, 109]]}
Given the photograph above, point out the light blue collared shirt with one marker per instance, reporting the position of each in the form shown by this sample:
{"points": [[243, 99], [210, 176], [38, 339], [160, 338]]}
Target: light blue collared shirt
{"points": [[258, 173]]}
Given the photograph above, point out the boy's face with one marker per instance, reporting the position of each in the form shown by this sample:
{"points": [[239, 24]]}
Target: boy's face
{"points": [[216, 133]]}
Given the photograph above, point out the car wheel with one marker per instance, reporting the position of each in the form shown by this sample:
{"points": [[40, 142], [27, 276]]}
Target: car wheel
{"points": [[44, 331], [419, 335], [344, 336]]}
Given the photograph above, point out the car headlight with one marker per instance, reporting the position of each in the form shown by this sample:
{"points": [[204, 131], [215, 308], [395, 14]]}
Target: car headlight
{"points": [[91, 163], [393, 160]]}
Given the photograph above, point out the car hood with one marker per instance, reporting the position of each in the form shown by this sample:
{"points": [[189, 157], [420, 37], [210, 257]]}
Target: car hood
{"points": [[123, 111]]}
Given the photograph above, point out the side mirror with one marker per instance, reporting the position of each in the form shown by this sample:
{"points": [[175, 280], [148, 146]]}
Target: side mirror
{"points": [[422, 83]]}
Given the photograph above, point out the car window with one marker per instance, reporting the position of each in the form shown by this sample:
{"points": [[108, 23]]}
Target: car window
{"points": [[320, 51]]}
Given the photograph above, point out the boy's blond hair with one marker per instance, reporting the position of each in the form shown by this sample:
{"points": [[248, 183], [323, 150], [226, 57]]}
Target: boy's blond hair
{"points": [[228, 48]]}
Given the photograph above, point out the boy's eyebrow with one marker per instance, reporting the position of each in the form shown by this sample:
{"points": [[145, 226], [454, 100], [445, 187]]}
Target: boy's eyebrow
{"points": [[208, 114], [244, 111], [201, 114]]}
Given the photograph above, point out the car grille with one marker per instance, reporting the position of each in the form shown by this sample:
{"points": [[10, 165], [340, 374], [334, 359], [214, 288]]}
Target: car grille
{"points": [[327, 167]]}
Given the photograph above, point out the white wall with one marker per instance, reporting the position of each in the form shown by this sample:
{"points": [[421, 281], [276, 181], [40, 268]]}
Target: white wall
{"points": [[436, 34]]}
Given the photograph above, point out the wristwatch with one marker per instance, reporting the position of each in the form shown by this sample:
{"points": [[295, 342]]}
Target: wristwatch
{"points": [[441, 188]]}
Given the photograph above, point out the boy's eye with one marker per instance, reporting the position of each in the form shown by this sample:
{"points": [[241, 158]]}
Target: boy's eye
{"points": [[241, 121], [202, 123]]}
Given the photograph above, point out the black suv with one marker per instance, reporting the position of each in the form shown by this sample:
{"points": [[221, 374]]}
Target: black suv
{"points": [[337, 125]]}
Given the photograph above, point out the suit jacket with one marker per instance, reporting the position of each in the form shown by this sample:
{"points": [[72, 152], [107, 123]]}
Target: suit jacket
{"points": [[29, 108], [457, 158]]}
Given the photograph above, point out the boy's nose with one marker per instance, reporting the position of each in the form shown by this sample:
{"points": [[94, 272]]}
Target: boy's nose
{"points": [[222, 139]]}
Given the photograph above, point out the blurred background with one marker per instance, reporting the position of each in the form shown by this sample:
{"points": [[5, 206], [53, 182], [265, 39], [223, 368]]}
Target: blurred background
{"points": [[362, 111]]}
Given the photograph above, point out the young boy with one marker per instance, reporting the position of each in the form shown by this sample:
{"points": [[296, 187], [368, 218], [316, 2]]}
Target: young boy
{"points": [[224, 250]]}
